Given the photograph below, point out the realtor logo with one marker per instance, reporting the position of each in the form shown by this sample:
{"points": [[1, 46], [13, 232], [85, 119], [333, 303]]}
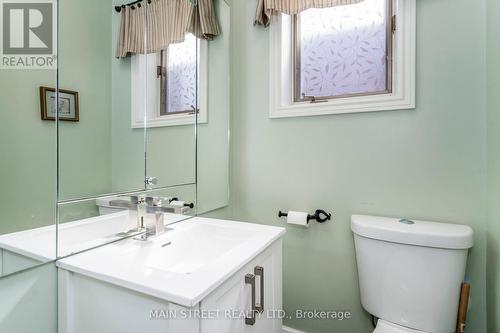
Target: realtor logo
{"points": [[28, 34]]}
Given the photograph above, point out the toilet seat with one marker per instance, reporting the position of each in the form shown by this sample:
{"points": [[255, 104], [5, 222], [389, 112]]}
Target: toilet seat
{"points": [[387, 327]]}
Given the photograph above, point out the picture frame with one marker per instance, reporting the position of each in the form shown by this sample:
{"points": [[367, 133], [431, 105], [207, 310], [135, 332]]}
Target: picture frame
{"points": [[68, 106]]}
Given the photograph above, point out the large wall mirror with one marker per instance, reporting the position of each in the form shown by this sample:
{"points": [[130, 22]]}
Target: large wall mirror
{"points": [[213, 147], [82, 140], [28, 160]]}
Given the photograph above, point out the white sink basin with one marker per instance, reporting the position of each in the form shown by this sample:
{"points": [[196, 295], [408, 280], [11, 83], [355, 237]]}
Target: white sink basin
{"points": [[182, 265], [187, 250]]}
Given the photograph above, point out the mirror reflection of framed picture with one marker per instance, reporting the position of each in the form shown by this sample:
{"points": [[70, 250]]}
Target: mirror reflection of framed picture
{"points": [[67, 106]]}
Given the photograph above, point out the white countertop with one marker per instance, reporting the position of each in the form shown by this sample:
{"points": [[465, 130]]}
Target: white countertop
{"points": [[182, 265]]}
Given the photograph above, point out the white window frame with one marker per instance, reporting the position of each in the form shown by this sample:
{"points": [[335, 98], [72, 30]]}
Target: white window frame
{"points": [[282, 76], [145, 93]]}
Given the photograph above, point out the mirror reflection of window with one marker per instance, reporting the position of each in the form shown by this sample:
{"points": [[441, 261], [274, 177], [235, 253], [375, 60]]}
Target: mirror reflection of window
{"points": [[179, 77]]}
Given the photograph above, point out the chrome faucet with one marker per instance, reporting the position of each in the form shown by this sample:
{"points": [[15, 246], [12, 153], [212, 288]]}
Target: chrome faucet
{"points": [[152, 205], [157, 206], [172, 205]]}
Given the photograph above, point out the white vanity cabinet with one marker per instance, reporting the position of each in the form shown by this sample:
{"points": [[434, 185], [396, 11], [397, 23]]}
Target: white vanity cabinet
{"points": [[215, 299], [11, 262]]}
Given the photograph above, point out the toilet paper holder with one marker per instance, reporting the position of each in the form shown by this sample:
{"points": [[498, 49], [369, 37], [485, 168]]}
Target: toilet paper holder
{"points": [[320, 216]]}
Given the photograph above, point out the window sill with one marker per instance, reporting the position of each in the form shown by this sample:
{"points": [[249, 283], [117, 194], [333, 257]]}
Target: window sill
{"points": [[344, 105], [171, 120]]}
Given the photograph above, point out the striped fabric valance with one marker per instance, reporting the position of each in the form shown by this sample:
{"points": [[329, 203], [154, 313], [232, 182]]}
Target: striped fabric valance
{"points": [[268, 8], [153, 26]]}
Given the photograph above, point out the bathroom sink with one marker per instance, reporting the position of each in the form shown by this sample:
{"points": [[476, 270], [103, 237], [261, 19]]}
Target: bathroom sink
{"points": [[182, 265], [187, 250]]}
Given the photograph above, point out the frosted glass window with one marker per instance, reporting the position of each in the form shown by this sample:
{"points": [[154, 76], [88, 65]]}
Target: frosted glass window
{"points": [[180, 90], [343, 51]]}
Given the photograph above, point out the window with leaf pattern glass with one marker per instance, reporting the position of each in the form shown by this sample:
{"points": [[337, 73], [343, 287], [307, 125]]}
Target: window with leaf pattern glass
{"points": [[343, 51]]}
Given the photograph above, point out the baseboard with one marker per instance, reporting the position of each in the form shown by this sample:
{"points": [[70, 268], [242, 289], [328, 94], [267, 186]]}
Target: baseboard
{"points": [[291, 330]]}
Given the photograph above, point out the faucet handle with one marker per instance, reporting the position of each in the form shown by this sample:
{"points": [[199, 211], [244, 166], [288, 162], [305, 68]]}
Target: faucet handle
{"points": [[154, 201], [150, 181], [137, 199]]}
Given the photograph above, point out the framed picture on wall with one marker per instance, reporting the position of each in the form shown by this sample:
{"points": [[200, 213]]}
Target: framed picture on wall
{"points": [[67, 107]]}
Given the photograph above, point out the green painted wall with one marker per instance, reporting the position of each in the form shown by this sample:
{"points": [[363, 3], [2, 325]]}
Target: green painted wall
{"points": [[427, 163], [493, 70]]}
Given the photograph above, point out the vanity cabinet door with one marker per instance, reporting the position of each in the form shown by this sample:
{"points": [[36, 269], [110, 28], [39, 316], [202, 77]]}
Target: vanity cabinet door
{"points": [[267, 319], [226, 302], [231, 303]]}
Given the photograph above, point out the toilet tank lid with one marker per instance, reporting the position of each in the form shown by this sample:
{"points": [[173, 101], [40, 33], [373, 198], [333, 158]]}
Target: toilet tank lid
{"points": [[413, 232], [105, 201]]}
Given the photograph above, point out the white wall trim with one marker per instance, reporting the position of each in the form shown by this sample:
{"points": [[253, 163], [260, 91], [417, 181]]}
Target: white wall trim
{"points": [[287, 329], [281, 64]]}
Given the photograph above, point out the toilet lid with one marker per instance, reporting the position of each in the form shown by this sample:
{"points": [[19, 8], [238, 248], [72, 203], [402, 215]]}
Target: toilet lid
{"points": [[387, 327]]}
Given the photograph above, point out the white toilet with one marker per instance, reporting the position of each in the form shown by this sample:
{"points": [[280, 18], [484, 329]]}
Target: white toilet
{"points": [[410, 272]]}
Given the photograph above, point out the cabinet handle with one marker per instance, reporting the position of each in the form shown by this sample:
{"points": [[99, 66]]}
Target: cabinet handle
{"points": [[250, 279], [259, 271]]}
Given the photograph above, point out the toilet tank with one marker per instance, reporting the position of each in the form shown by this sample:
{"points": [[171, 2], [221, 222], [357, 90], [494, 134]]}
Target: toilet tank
{"points": [[105, 206], [410, 272]]}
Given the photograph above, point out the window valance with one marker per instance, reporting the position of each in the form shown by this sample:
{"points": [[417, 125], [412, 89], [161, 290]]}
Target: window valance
{"points": [[267, 8], [150, 26]]}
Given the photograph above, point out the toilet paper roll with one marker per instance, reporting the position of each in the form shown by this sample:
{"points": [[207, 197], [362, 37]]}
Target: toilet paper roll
{"points": [[297, 218], [177, 203]]}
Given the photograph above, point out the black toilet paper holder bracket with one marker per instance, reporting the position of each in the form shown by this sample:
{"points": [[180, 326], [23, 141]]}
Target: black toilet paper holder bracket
{"points": [[319, 215]]}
